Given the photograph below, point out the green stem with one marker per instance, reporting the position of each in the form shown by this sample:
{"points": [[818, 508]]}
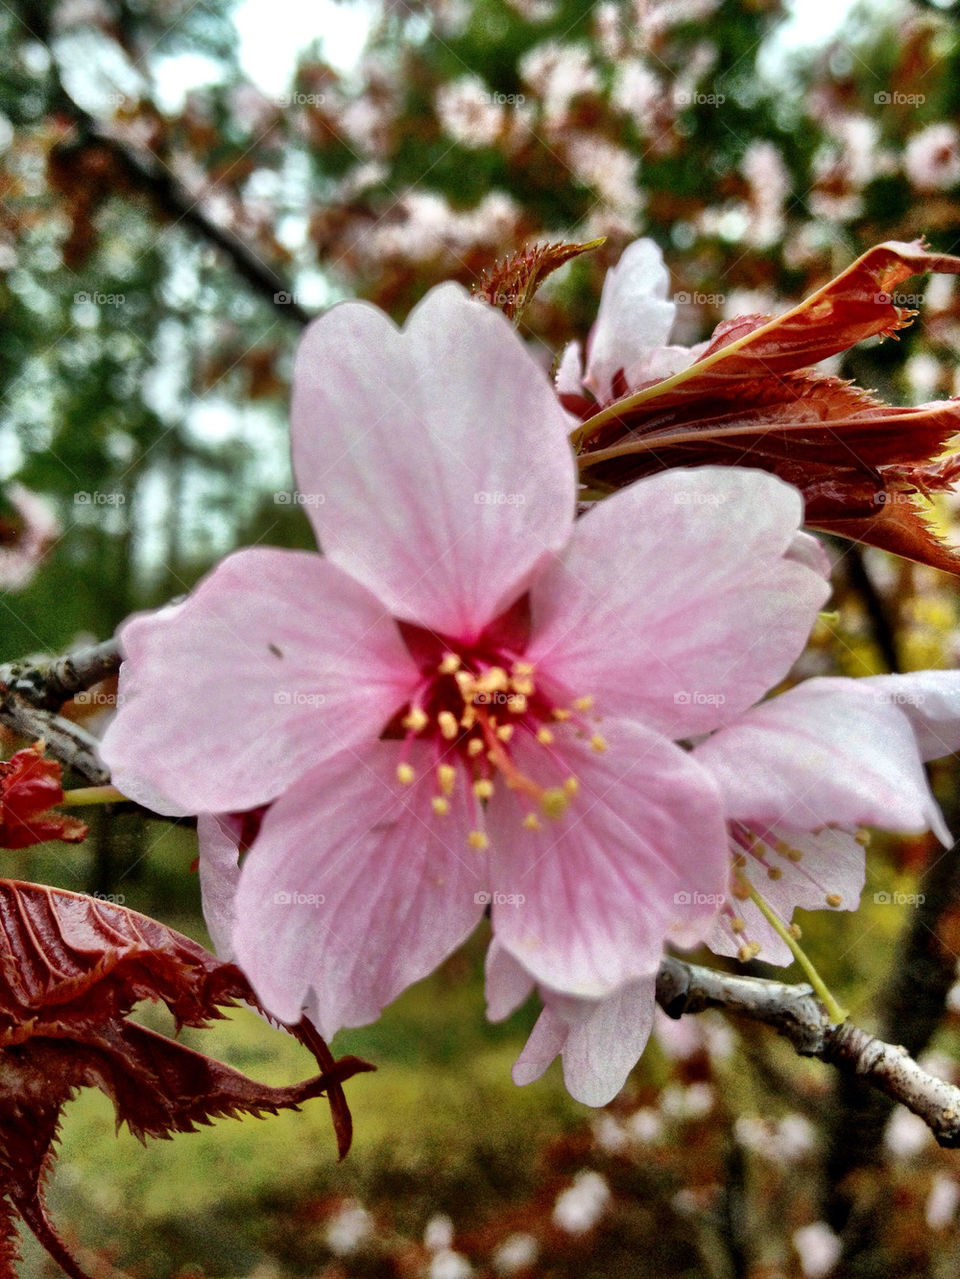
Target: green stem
{"points": [[84, 795], [834, 1011]]}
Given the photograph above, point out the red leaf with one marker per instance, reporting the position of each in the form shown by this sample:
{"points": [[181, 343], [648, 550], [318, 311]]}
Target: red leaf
{"points": [[511, 284], [29, 788], [71, 969], [749, 400]]}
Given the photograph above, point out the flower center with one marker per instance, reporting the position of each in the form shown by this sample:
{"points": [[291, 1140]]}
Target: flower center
{"points": [[476, 706]]}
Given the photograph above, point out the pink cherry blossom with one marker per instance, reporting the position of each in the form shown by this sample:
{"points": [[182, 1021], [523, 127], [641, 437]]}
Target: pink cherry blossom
{"points": [[469, 698], [801, 775], [629, 341]]}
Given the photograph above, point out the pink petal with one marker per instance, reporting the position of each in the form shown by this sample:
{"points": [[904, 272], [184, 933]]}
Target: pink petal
{"points": [[568, 379], [508, 984], [634, 315], [827, 751], [438, 457], [678, 600], [354, 889], [585, 902], [828, 876], [219, 837], [600, 1040], [931, 702], [275, 662]]}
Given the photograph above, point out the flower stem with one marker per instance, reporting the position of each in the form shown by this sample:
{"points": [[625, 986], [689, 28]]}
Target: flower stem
{"points": [[84, 795], [834, 1011]]}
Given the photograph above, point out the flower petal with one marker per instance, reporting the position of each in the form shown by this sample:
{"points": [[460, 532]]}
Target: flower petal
{"points": [[354, 889], [634, 315], [931, 702], [276, 661], [219, 838], [508, 984], [440, 454], [679, 600], [827, 751], [828, 874], [588, 899]]}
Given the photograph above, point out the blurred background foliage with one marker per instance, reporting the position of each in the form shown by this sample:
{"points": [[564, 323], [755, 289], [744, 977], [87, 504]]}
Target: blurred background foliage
{"points": [[167, 223]]}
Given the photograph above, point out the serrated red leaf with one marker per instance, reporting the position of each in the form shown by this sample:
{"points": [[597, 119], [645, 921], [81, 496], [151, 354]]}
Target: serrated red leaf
{"points": [[751, 400], [510, 285], [71, 969], [29, 788]]}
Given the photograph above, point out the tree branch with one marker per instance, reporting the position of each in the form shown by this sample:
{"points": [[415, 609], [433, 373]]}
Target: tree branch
{"points": [[32, 692], [794, 1013]]}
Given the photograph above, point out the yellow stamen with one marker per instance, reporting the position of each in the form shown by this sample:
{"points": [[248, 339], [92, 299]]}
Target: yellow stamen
{"points": [[571, 786], [477, 839], [505, 732], [583, 704], [416, 719], [749, 950], [474, 746], [450, 663], [517, 703], [737, 924], [440, 805], [794, 931], [834, 899], [531, 821], [544, 736], [524, 686], [405, 774], [740, 890], [560, 714], [467, 684], [494, 680], [598, 744], [863, 838], [522, 668], [553, 803], [468, 718], [448, 725], [483, 788], [774, 872], [446, 776]]}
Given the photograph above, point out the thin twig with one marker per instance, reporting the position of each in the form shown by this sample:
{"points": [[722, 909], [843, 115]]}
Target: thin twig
{"points": [[794, 1013]]}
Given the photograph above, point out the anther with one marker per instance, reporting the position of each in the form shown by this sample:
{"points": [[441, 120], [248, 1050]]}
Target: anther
{"points": [[405, 774], [834, 899], [440, 805], [476, 839], [505, 732], [474, 746], [598, 744], [531, 822], [553, 803], [749, 950], [544, 736], [416, 719], [583, 704], [448, 725], [483, 788], [450, 663], [446, 776]]}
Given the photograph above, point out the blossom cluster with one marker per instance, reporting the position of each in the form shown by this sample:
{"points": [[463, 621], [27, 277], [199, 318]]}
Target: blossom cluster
{"points": [[464, 705]]}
